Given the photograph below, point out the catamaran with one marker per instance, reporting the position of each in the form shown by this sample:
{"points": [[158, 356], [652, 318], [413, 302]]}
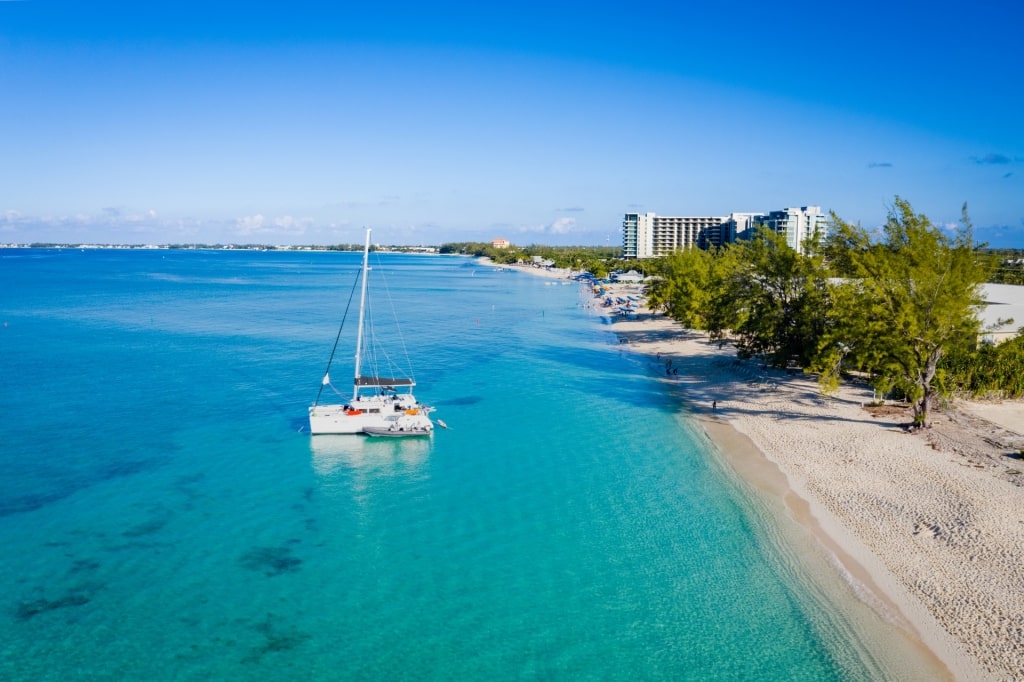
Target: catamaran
{"points": [[380, 405]]}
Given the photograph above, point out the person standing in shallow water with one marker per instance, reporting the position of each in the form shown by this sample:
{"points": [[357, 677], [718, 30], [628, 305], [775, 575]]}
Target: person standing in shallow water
{"points": [[714, 404]]}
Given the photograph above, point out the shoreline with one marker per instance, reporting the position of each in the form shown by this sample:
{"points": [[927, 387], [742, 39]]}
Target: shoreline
{"points": [[823, 554], [927, 529], [931, 524]]}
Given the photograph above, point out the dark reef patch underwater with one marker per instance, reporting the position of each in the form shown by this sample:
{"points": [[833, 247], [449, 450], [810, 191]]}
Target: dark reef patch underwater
{"points": [[271, 561], [35, 607]]}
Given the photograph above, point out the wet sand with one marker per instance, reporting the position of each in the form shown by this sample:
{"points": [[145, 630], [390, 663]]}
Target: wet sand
{"points": [[930, 525], [926, 528]]}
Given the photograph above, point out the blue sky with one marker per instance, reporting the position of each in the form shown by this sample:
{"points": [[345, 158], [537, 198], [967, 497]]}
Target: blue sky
{"points": [[296, 123]]}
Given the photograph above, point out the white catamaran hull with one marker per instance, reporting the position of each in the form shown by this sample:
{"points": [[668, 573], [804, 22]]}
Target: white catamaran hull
{"points": [[356, 416], [335, 419]]}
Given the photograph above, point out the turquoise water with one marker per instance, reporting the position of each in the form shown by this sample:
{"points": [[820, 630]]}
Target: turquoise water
{"points": [[164, 515]]}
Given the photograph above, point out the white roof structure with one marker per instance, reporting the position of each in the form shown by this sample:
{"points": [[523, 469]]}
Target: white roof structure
{"points": [[1005, 302], [631, 276]]}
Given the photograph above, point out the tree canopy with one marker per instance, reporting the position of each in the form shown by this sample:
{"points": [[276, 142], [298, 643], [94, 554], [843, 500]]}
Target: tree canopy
{"points": [[891, 305], [782, 294], [905, 302]]}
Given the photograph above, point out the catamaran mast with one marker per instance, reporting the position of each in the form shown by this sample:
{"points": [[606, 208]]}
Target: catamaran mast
{"points": [[362, 312]]}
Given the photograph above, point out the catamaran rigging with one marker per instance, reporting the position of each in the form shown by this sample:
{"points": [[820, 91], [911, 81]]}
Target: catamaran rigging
{"points": [[380, 405]]}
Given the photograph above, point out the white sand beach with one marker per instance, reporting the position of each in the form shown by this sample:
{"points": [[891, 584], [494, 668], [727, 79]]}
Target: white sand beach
{"points": [[935, 519], [930, 524]]}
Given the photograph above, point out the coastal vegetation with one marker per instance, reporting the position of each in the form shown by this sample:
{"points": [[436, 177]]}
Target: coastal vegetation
{"points": [[598, 260], [987, 371], [902, 303], [762, 295], [1007, 265], [898, 306]]}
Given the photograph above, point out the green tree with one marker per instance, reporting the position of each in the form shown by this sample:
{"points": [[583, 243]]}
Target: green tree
{"points": [[904, 302], [780, 298], [697, 288], [989, 371], [683, 287], [724, 309]]}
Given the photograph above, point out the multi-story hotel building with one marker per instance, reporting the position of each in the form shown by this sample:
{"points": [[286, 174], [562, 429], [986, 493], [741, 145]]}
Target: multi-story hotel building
{"points": [[795, 224], [648, 235]]}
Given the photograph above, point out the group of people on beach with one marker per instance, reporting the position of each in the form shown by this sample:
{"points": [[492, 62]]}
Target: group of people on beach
{"points": [[674, 372]]}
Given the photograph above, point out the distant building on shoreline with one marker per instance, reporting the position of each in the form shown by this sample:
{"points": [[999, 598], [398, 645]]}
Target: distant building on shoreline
{"points": [[500, 243], [648, 235]]}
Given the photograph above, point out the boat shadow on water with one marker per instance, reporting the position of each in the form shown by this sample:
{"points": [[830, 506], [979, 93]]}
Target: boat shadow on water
{"points": [[334, 455]]}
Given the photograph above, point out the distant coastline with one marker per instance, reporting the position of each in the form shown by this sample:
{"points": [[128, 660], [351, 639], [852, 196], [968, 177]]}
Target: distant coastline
{"points": [[428, 250]]}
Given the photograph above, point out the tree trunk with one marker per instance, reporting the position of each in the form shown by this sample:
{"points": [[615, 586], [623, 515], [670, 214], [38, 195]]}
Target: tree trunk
{"points": [[923, 407]]}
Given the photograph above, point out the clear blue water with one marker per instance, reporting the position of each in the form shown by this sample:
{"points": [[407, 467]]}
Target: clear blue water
{"points": [[164, 515]]}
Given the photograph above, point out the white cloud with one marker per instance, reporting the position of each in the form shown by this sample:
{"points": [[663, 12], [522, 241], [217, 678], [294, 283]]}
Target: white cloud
{"points": [[532, 228], [563, 226], [250, 225], [259, 224], [9, 221], [293, 225]]}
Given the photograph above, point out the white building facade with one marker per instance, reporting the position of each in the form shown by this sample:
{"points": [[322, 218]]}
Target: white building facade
{"points": [[648, 235], [795, 224]]}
